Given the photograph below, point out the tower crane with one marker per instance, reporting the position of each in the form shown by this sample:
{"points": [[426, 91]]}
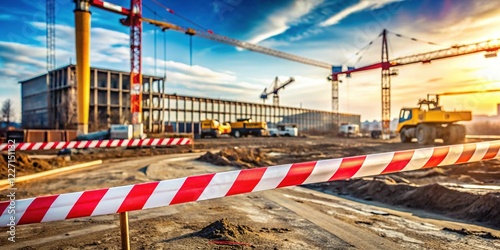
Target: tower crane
{"points": [[276, 87], [490, 47], [50, 22], [134, 19]]}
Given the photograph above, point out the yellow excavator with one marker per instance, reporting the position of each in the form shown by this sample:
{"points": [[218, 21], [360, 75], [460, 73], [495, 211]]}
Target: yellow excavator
{"points": [[429, 121]]}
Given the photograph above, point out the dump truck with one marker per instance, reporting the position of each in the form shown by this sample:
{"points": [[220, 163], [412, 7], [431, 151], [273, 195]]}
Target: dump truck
{"points": [[429, 121], [245, 127], [213, 128]]}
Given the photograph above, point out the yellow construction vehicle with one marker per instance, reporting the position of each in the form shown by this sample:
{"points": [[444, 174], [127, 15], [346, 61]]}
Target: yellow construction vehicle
{"points": [[245, 127], [214, 128], [429, 121]]}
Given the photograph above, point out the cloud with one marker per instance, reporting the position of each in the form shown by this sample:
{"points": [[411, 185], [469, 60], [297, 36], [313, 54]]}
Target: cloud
{"points": [[186, 79], [22, 54], [110, 50], [6, 17], [280, 21], [361, 6]]}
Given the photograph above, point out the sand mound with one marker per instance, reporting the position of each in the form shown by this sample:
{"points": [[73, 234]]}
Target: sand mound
{"points": [[24, 165], [433, 198], [238, 157], [224, 230]]}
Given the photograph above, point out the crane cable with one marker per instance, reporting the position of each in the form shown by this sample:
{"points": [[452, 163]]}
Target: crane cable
{"points": [[180, 16], [164, 59], [191, 50], [417, 40], [190, 35], [361, 52], [155, 49]]}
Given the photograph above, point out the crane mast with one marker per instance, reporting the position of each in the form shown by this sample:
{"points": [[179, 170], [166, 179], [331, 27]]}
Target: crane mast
{"points": [[386, 88], [135, 23], [50, 22]]}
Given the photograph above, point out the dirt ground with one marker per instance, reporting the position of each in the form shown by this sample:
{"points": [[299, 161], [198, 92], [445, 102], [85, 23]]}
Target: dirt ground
{"points": [[469, 192], [443, 208], [25, 165]]}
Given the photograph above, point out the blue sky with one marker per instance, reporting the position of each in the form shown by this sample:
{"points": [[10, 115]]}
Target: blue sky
{"points": [[331, 31]]}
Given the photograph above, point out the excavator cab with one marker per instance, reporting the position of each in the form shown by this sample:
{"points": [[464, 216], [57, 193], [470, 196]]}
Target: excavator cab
{"points": [[405, 114], [407, 117]]}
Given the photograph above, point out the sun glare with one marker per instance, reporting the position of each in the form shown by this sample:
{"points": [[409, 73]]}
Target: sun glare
{"points": [[489, 71]]}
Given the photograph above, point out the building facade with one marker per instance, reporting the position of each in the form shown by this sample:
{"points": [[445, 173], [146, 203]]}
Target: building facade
{"points": [[49, 101]]}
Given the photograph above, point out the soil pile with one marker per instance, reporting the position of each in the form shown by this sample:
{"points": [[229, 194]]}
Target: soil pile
{"points": [[238, 157], [225, 230], [24, 165], [433, 198]]}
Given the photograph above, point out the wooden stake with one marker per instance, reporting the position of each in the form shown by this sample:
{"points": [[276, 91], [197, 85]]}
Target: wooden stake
{"points": [[124, 231]]}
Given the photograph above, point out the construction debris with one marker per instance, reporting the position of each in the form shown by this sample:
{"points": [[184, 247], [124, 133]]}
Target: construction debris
{"points": [[25, 165], [238, 157], [224, 230]]}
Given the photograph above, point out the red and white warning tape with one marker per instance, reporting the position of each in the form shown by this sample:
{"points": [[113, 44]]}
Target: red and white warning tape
{"points": [[209, 186], [25, 146]]}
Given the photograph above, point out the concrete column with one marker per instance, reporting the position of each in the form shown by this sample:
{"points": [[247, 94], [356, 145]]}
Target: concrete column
{"points": [[96, 101], [169, 110], [199, 110], [150, 104], [224, 111], [108, 98], [218, 111], [185, 116], [192, 116], [177, 114], [206, 108], [120, 97], [163, 106]]}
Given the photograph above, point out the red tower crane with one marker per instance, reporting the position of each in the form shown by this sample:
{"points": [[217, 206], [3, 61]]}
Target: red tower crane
{"points": [[491, 48], [134, 19]]}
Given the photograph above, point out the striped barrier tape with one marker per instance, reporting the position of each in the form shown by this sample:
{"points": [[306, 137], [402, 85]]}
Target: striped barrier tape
{"points": [[149, 142], [215, 185]]}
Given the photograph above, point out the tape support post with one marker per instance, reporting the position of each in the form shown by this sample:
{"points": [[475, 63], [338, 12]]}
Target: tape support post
{"points": [[149, 142], [215, 185]]}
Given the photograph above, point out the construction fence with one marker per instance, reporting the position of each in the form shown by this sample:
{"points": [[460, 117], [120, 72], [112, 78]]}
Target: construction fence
{"points": [[184, 113]]}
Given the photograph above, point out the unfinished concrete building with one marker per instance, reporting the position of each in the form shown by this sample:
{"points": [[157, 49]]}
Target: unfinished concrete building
{"points": [[52, 104]]}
